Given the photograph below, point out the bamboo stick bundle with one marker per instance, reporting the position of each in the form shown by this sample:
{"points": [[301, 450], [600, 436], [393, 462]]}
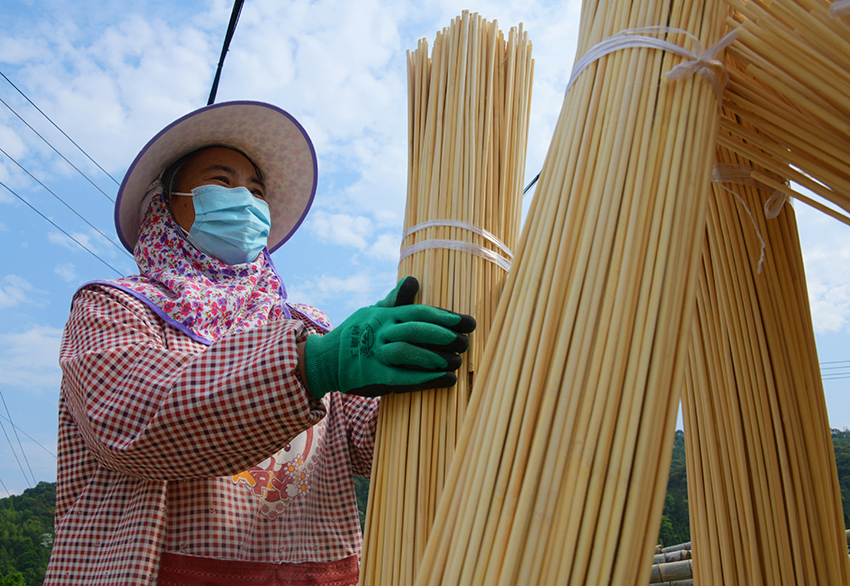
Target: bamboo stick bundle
{"points": [[790, 78], [561, 468], [468, 109], [763, 489]]}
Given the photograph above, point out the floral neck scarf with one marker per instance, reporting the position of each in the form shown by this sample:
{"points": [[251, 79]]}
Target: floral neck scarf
{"points": [[198, 294]]}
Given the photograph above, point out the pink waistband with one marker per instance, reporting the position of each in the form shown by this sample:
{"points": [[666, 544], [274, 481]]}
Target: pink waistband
{"points": [[186, 570]]}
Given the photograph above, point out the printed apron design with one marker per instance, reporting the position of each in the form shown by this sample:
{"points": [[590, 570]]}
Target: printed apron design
{"points": [[286, 475]]}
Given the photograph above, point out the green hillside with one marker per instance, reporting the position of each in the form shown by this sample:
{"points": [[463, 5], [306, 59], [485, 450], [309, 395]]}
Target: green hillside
{"points": [[26, 535]]}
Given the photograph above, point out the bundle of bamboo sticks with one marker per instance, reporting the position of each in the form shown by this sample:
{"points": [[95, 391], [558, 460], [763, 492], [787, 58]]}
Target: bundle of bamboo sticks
{"points": [[790, 79], [560, 471], [763, 490], [468, 111]]}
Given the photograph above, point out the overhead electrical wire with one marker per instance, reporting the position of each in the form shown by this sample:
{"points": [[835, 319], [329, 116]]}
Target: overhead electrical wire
{"points": [[28, 436], [231, 28], [59, 129], [17, 437], [55, 225], [14, 453], [839, 372], [66, 204], [87, 178]]}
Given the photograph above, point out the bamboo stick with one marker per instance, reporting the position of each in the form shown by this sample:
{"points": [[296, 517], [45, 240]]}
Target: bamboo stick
{"points": [[779, 520], [563, 456], [789, 79], [468, 116]]}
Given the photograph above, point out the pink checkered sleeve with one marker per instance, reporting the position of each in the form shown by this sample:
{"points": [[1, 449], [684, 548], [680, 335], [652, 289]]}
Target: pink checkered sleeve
{"points": [[361, 414], [148, 411]]}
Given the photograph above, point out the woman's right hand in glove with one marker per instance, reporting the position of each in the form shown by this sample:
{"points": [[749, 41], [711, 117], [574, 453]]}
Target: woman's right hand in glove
{"points": [[390, 347]]}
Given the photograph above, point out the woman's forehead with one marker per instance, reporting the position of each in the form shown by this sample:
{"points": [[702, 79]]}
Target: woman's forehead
{"points": [[219, 155]]}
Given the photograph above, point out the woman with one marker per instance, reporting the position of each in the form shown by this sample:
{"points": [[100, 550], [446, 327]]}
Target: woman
{"points": [[208, 428]]}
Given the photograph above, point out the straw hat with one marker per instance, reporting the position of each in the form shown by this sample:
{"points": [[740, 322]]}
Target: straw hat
{"points": [[270, 137]]}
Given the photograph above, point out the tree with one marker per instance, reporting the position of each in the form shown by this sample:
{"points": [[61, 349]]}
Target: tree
{"points": [[13, 579], [26, 534]]}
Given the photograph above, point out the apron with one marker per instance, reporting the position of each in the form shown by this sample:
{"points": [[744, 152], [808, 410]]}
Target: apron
{"points": [[186, 570]]}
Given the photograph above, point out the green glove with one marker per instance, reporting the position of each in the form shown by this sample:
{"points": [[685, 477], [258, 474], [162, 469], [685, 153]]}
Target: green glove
{"points": [[390, 347]]}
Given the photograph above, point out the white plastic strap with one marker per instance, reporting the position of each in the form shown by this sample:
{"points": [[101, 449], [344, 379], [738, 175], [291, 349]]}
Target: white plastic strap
{"points": [[464, 225], [840, 8], [743, 175], [753, 220], [699, 60], [459, 245]]}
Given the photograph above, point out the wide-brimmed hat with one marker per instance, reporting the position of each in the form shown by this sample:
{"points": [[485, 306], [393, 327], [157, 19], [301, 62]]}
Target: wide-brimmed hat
{"points": [[269, 136]]}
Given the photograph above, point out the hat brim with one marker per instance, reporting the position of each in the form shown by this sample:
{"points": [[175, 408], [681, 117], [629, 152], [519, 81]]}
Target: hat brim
{"points": [[269, 136]]}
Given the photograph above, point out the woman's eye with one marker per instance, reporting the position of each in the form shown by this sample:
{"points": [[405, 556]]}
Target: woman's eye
{"points": [[258, 193]]}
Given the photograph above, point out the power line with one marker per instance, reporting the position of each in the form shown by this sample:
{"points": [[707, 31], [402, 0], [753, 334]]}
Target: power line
{"points": [[57, 152], [14, 453], [839, 372], [231, 28], [83, 246], [66, 204], [532, 182], [29, 437], [17, 437], [59, 129]]}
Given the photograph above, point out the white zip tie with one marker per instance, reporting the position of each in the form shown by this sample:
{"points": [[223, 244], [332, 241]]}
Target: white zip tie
{"points": [[459, 245]]}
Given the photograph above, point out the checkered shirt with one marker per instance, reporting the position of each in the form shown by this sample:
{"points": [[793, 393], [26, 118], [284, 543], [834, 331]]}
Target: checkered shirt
{"points": [[166, 444]]}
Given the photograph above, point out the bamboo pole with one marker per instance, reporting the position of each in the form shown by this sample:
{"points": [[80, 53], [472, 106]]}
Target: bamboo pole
{"points": [[754, 407], [789, 79], [561, 467], [468, 116]]}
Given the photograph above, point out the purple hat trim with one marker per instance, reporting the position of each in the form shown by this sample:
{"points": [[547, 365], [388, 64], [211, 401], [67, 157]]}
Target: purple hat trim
{"points": [[269, 136]]}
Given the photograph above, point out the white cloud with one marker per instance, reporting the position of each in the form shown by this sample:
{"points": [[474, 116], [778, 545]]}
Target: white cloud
{"points": [[68, 272], [830, 308], [340, 229], [31, 359], [17, 50], [10, 141], [826, 258], [386, 247], [115, 89], [67, 242], [339, 296], [91, 240], [15, 291]]}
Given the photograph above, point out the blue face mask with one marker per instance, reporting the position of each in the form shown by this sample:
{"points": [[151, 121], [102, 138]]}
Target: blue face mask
{"points": [[230, 223]]}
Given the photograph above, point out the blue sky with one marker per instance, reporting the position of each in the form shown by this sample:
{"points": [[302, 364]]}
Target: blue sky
{"points": [[110, 74]]}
